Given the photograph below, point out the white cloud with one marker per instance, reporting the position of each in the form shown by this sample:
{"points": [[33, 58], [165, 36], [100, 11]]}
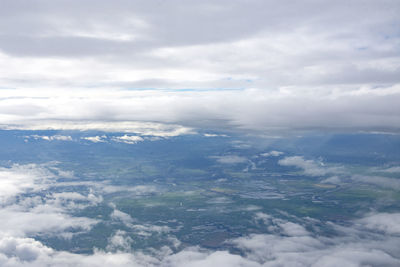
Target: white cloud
{"points": [[357, 247], [128, 139], [389, 223], [144, 47], [121, 216], [339, 174], [215, 135], [51, 137], [394, 169], [65, 63], [119, 242], [272, 153], [371, 240], [392, 183], [27, 215], [252, 109], [230, 159], [95, 139], [22, 178], [16, 251], [310, 167], [40, 220], [293, 229], [150, 129]]}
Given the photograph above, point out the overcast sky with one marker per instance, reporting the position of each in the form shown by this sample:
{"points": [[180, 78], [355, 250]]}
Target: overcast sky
{"points": [[256, 65]]}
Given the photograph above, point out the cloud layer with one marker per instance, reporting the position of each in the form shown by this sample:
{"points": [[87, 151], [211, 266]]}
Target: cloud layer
{"points": [[251, 109], [293, 65], [370, 240]]}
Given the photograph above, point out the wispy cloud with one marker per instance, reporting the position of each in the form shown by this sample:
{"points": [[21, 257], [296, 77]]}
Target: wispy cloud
{"points": [[230, 159]]}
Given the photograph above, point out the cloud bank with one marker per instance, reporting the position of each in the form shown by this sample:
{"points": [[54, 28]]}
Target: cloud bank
{"points": [[250, 109], [292, 65]]}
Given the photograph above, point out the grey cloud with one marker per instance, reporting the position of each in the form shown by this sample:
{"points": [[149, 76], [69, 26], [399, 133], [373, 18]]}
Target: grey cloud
{"points": [[312, 65], [392, 183], [394, 169], [252, 109], [238, 44]]}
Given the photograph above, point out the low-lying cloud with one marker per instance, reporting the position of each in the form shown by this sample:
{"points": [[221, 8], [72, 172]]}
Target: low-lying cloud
{"points": [[177, 112], [289, 240]]}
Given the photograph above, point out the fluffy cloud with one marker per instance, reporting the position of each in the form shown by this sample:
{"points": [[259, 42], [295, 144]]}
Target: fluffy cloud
{"points": [[16, 251], [272, 153], [95, 139], [357, 246], [29, 211], [310, 167], [21, 178], [370, 240], [128, 139], [389, 223]]}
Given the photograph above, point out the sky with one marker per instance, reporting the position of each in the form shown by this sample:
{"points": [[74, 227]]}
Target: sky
{"points": [[267, 66]]}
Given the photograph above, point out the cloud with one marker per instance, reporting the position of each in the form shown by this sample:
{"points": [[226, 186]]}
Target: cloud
{"points": [[290, 66], [310, 167], [147, 43], [177, 112], [272, 153], [95, 139], [340, 174], [138, 190], [29, 211], [388, 223], [298, 247], [261, 250], [293, 229], [41, 220], [119, 242], [150, 129], [394, 169], [21, 178], [16, 251], [369, 240], [214, 135], [230, 159], [121, 216], [391, 183], [128, 139], [52, 137]]}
